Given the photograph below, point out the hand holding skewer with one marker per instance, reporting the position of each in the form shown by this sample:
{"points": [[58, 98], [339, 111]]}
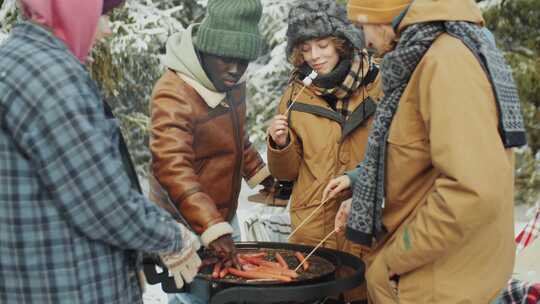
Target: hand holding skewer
{"points": [[335, 186], [279, 126], [278, 130]]}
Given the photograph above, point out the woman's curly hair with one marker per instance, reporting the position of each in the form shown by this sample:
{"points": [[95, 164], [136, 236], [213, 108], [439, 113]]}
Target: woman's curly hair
{"points": [[343, 48]]}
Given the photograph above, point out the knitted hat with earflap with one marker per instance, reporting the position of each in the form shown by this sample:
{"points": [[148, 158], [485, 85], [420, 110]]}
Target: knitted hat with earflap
{"points": [[317, 19], [231, 29]]}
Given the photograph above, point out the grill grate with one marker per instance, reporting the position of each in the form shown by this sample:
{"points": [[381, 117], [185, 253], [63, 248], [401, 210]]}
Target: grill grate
{"points": [[307, 290], [319, 267]]}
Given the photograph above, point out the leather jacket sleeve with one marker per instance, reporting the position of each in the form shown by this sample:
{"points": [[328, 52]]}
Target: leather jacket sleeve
{"points": [[254, 169]]}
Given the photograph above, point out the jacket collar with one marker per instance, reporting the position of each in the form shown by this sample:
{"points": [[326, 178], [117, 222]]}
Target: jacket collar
{"points": [[33, 31], [212, 99]]}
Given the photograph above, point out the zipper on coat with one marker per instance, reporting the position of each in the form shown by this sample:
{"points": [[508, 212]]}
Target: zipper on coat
{"points": [[239, 156]]}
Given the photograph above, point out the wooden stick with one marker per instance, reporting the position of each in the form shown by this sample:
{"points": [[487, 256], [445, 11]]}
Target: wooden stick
{"points": [[315, 249], [307, 218], [294, 100], [307, 81]]}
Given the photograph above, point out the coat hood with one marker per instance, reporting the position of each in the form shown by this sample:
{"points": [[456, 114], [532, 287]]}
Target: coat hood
{"points": [[73, 22], [448, 10], [182, 57]]}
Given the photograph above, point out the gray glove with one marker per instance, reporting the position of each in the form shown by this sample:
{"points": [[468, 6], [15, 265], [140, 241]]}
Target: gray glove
{"points": [[184, 264]]}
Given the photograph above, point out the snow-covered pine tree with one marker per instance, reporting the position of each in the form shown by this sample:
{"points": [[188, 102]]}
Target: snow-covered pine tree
{"points": [[129, 63], [269, 74], [8, 15]]}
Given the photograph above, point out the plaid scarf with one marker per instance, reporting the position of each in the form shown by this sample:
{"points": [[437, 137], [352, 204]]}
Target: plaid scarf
{"points": [[365, 221], [338, 86]]}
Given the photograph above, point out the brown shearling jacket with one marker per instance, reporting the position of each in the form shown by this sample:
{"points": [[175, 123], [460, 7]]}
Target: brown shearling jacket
{"points": [[200, 154]]}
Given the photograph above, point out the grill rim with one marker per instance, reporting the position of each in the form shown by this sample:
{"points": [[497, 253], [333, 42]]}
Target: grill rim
{"points": [[280, 292]]}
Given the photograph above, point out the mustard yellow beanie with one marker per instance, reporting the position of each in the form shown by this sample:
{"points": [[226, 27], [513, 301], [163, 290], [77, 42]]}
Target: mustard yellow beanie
{"points": [[375, 11]]}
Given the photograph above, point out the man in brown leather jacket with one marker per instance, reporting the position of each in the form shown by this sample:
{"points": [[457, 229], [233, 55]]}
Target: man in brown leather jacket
{"points": [[200, 149]]}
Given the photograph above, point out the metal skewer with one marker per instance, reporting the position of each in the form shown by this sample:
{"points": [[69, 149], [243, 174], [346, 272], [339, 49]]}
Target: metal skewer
{"points": [[315, 249]]}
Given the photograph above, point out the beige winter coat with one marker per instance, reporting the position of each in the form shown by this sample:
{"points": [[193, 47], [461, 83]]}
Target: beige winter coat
{"points": [[322, 146], [449, 179]]}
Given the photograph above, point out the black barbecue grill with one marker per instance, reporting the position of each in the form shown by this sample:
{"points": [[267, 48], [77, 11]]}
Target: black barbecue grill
{"points": [[324, 280]]}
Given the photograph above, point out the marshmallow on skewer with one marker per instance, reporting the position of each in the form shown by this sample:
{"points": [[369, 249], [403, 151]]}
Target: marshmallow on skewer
{"points": [[309, 78], [307, 82]]}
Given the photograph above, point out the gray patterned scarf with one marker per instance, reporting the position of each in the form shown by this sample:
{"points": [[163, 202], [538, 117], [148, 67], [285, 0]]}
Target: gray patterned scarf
{"points": [[365, 221]]}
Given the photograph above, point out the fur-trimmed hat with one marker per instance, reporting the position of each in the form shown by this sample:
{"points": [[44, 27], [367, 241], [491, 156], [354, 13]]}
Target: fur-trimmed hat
{"points": [[320, 18]]}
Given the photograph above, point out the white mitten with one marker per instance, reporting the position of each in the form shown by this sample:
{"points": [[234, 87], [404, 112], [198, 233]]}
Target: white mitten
{"points": [[184, 264]]}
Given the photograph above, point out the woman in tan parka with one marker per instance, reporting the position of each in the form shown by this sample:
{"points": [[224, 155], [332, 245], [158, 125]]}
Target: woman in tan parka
{"points": [[328, 124], [440, 222]]}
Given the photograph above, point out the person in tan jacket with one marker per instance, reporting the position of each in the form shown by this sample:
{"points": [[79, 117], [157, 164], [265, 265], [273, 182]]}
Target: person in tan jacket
{"points": [[433, 198], [199, 145], [325, 132]]}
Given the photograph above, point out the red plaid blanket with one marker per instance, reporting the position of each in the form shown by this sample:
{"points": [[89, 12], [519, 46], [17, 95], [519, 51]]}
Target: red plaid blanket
{"points": [[529, 233], [519, 292]]}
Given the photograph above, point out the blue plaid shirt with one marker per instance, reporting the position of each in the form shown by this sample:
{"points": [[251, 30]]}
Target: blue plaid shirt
{"points": [[70, 220]]}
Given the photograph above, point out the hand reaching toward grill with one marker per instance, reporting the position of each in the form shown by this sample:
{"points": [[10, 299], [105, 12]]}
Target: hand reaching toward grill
{"points": [[279, 130], [225, 250], [335, 186], [184, 265], [342, 215]]}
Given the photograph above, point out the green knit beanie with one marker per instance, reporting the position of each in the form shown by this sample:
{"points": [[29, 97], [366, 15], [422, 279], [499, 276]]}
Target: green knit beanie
{"points": [[231, 29]]}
